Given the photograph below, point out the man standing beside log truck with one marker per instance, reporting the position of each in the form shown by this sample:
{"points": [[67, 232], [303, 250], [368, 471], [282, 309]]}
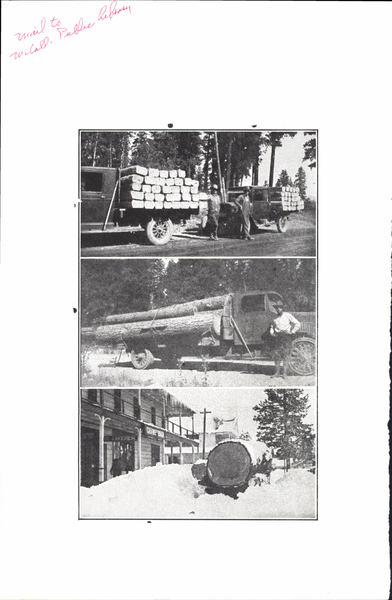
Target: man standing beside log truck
{"points": [[243, 204], [214, 203], [282, 328]]}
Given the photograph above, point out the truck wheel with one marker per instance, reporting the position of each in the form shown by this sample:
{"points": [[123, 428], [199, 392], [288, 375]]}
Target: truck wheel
{"points": [[303, 356], [141, 359], [159, 231], [282, 223]]}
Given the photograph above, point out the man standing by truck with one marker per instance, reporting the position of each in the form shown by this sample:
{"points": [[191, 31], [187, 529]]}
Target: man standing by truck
{"points": [[282, 328], [243, 203], [214, 203]]}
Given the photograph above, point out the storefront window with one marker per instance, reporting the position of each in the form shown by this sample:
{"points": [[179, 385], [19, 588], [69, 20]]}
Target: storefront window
{"points": [[136, 408], [92, 395], [118, 402]]}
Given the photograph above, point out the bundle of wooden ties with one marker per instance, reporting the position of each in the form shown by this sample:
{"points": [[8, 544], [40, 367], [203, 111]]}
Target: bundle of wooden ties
{"points": [[158, 189], [288, 196]]}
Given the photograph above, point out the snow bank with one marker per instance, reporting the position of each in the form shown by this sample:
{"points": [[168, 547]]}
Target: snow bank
{"points": [[170, 492]]}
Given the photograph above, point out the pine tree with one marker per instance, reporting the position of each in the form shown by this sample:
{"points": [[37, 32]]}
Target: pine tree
{"points": [[310, 148], [300, 182], [104, 149], [280, 424], [283, 179]]}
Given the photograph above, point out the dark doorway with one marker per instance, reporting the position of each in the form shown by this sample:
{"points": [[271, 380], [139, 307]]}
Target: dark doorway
{"points": [[89, 457], [155, 454]]}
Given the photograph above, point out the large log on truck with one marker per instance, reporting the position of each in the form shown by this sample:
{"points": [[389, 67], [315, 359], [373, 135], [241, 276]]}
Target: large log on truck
{"points": [[168, 312], [231, 464], [138, 332]]}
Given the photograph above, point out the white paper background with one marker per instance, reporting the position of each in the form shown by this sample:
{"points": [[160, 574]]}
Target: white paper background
{"points": [[196, 65]]}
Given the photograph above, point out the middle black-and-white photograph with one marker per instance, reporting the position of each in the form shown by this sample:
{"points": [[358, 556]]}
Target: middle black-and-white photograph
{"points": [[198, 322]]}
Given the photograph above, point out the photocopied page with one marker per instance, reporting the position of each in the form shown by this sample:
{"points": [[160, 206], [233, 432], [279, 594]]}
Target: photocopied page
{"points": [[195, 269]]}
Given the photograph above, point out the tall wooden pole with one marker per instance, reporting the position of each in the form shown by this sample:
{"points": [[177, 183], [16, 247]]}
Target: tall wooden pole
{"points": [[219, 169], [207, 164], [272, 166]]}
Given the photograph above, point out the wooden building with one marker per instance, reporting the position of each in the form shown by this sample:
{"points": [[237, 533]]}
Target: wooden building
{"points": [[122, 430]]}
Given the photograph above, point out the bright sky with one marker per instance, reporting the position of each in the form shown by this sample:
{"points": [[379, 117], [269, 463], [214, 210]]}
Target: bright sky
{"points": [[289, 156], [227, 403]]}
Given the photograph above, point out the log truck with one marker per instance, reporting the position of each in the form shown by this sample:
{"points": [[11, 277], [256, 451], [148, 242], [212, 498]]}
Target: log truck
{"points": [[231, 327]]}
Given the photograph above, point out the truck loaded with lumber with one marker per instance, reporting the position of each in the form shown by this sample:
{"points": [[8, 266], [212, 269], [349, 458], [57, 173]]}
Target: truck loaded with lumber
{"points": [[268, 205], [232, 465], [156, 200], [137, 197], [233, 327]]}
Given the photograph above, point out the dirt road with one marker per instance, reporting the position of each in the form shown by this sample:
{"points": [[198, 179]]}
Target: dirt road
{"points": [[298, 240], [99, 370]]}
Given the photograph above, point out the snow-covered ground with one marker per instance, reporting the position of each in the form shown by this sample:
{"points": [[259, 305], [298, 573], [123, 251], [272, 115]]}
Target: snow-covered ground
{"points": [[171, 492]]}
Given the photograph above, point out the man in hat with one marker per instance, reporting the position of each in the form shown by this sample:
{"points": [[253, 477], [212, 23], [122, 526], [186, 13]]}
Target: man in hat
{"points": [[243, 203], [214, 203], [282, 328]]}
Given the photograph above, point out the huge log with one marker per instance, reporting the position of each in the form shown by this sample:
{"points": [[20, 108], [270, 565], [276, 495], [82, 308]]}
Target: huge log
{"points": [[141, 332], [232, 463], [168, 312]]}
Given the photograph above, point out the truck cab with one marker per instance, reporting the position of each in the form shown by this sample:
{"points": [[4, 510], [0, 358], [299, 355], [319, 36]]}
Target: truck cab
{"points": [[253, 313], [246, 323], [97, 186], [267, 205]]}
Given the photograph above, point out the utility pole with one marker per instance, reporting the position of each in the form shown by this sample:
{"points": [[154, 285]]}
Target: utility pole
{"points": [[272, 166], [275, 143], [205, 413], [222, 189]]}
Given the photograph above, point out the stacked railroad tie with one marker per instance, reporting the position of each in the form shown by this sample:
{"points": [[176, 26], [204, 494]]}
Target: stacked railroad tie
{"points": [[159, 189], [288, 196]]}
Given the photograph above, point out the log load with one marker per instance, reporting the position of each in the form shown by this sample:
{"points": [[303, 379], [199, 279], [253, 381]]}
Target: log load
{"points": [[168, 312], [154, 186], [199, 324], [231, 464]]}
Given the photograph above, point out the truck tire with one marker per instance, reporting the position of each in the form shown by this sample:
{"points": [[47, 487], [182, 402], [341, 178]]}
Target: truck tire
{"points": [[303, 356], [282, 223], [141, 359], [159, 231]]}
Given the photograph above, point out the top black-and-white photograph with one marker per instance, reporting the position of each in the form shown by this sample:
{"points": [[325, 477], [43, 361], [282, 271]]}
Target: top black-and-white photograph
{"points": [[198, 193]]}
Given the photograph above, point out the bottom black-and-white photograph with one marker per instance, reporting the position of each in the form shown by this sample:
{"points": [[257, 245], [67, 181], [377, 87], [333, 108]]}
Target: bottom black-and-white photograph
{"points": [[198, 453]]}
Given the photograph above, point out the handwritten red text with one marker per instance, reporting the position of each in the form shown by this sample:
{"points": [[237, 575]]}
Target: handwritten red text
{"points": [[112, 11], [107, 11], [64, 32], [33, 49], [25, 36]]}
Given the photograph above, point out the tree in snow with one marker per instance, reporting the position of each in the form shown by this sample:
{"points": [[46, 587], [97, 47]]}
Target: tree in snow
{"points": [[280, 425]]}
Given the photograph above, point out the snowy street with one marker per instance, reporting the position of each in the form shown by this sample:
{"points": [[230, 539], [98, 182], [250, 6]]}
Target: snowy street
{"points": [[171, 492]]}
